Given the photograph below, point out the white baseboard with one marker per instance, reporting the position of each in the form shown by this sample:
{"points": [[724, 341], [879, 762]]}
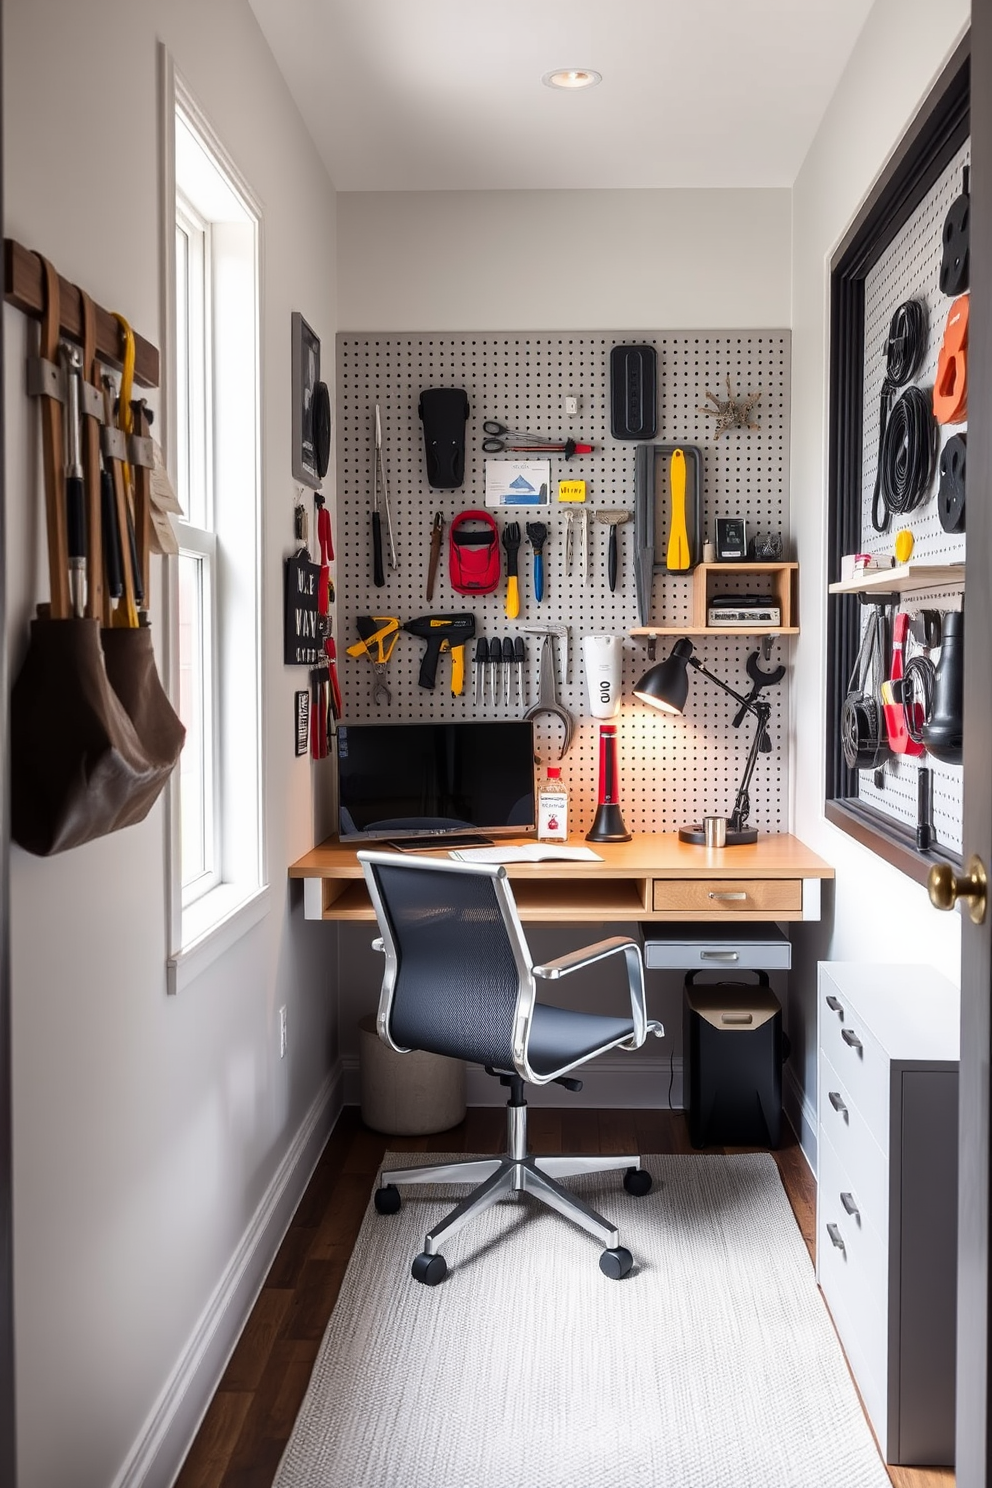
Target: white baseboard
{"points": [[613, 1081], [801, 1114], [158, 1452]]}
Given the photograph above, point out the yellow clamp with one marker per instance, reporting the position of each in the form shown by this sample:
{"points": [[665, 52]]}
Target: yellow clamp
{"points": [[381, 640]]}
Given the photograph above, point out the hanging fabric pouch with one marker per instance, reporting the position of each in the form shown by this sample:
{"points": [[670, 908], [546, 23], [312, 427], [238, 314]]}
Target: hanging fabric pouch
{"points": [[90, 751], [444, 413], [474, 564]]}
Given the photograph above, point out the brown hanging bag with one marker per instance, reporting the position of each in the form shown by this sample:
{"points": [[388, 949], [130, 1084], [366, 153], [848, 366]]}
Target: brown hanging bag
{"points": [[79, 768]]}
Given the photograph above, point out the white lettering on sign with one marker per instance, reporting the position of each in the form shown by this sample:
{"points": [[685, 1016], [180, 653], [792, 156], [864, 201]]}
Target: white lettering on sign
{"points": [[306, 623]]}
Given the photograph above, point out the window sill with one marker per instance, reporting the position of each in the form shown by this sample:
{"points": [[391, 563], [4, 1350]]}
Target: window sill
{"points": [[210, 927]]}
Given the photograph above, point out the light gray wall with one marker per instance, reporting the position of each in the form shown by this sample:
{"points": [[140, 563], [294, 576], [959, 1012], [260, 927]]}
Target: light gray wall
{"points": [[550, 260], [879, 915], [147, 1129]]}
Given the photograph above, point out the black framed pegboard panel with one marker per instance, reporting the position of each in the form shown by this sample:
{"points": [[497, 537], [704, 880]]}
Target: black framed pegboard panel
{"points": [[908, 269], [672, 770]]}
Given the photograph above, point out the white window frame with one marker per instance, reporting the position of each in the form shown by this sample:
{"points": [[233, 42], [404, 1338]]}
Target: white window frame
{"points": [[202, 925]]}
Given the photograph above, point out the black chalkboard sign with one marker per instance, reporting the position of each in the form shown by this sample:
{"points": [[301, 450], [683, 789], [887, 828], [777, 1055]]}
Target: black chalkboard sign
{"points": [[303, 633]]}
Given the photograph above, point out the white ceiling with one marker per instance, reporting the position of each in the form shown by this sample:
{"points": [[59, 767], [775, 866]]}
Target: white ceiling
{"points": [[418, 95]]}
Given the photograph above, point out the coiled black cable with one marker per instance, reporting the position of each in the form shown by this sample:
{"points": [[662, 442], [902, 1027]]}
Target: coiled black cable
{"points": [[908, 455], [905, 351], [917, 690]]}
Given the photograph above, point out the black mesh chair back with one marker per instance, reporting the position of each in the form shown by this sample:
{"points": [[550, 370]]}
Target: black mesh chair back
{"points": [[457, 979]]}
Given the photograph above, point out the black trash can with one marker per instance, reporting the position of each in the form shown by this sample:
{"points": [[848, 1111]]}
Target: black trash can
{"points": [[733, 1054]]}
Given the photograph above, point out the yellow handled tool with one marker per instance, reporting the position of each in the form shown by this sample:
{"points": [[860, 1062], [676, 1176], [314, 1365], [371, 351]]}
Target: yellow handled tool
{"points": [[678, 538]]}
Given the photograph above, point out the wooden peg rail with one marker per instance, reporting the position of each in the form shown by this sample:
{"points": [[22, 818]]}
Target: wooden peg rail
{"points": [[23, 288]]}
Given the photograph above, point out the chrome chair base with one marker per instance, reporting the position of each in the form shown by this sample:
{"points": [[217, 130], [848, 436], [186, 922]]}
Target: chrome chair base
{"points": [[499, 1177]]}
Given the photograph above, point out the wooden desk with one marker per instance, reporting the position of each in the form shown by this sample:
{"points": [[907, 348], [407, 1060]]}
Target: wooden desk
{"points": [[652, 877]]}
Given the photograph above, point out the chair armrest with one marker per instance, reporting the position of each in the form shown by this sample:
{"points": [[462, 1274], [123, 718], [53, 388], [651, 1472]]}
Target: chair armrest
{"points": [[584, 956], [552, 971], [379, 945]]}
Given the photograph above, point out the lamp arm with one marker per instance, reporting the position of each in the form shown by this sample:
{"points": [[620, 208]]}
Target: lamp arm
{"points": [[742, 804], [747, 703]]}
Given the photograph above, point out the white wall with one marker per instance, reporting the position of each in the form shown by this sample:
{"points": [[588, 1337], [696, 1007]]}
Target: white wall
{"points": [[571, 260], [147, 1129], [879, 915]]}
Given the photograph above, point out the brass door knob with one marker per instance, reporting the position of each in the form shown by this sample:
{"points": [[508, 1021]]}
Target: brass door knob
{"points": [[945, 887]]}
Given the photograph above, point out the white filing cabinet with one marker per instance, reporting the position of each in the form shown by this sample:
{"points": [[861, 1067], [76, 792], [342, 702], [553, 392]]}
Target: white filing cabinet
{"points": [[886, 1221]]}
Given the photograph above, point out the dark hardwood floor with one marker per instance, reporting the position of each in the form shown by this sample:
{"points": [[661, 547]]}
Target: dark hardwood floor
{"points": [[248, 1423]]}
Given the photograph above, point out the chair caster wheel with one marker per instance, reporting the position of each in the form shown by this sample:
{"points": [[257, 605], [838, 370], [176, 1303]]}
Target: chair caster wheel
{"points": [[430, 1269], [387, 1199], [637, 1182], [615, 1263]]}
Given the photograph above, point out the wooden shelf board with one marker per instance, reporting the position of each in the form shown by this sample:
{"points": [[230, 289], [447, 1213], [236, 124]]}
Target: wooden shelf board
{"points": [[714, 630], [903, 577]]}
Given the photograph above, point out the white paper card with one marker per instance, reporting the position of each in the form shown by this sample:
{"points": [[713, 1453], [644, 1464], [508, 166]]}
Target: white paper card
{"points": [[518, 482]]}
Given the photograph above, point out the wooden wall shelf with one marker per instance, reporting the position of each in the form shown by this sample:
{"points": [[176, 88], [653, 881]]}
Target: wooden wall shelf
{"points": [[903, 579], [709, 579]]}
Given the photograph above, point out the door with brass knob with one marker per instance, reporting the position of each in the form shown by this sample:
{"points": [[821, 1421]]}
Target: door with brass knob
{"points": [[946, 887]]}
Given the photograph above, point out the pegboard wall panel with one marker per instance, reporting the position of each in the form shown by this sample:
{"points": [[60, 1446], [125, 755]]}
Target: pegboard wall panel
{"points": [[910, 269], [672, 770]]}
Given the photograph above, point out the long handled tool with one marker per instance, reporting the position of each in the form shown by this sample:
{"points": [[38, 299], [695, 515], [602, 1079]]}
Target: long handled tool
{"points": [[511, 543], [380, 493], [537, 533], [75, 496], [613, 518], [678, 559]]}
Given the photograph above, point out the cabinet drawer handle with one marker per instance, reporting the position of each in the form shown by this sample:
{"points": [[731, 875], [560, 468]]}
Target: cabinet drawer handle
{"points": [[836, 1237], [850, 1038], [848, 1201], [736, 895], [835, 1005], [834, 1098], [719, 955]]}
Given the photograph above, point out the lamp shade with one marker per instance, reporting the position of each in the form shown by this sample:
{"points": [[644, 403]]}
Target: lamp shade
{"points": [[666, 686]]}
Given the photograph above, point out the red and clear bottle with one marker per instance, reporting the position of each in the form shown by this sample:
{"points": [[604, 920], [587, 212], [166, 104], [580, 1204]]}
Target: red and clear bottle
{"points": [[552, 808]]}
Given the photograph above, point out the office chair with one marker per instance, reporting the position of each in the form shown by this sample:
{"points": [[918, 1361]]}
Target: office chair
{"points": [[459, 980]]}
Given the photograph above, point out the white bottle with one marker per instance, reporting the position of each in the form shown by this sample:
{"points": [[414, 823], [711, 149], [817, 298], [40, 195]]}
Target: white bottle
{"points": [[552, 809]]}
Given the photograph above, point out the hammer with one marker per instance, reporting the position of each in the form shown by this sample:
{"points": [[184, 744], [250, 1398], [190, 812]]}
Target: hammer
{"points": [[614, 517]]}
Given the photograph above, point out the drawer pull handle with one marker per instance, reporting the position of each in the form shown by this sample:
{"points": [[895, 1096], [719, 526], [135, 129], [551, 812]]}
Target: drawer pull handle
{"points": [[836, 1237], [739, 894], [850, 1038], [836, 1102], [719, 955], [835, 1005], [848, 1201]]}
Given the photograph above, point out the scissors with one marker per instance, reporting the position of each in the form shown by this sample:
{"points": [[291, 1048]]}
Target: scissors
{"points": [[499, 439]]}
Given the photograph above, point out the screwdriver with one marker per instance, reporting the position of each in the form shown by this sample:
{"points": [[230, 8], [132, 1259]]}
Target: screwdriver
{"points": [[519, 656], [495, 661], [479, 677], [507, 663]]}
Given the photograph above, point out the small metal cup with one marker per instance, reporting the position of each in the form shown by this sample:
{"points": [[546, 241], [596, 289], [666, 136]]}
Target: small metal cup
{"points": [[715, 831]]}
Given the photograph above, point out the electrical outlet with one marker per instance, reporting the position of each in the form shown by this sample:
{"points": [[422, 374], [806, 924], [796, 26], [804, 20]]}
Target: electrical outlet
{"points": [[282, 1032]]}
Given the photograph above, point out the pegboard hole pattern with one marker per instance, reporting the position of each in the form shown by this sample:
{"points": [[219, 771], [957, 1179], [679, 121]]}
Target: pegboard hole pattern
{"points": [[672, 770], [910, 269]]}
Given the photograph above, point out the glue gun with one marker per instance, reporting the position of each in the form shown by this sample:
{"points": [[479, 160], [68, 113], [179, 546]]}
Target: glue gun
{"points": [[443, 633]]}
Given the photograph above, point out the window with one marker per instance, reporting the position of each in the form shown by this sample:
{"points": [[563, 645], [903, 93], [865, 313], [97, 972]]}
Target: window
{"points": [[217, 875]]}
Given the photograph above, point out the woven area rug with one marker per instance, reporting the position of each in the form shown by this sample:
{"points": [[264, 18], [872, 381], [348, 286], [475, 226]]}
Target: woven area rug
{"points": [[712, 1365]]}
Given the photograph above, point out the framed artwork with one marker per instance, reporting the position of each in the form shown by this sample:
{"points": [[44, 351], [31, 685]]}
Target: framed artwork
{"points": [[306, 376]]}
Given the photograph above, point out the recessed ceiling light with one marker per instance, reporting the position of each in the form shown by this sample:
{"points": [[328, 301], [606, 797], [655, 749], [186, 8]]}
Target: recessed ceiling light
{"points": [[572, 77]]}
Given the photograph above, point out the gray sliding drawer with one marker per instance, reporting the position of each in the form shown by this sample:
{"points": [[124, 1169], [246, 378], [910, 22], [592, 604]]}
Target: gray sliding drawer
{"points": [[747, 947]]}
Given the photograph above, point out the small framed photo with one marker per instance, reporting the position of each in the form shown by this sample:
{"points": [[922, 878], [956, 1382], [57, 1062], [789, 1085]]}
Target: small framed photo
{"points": [[306, 376]]}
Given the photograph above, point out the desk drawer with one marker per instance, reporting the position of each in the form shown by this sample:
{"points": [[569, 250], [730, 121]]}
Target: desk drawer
{"points": [[724, 898]]}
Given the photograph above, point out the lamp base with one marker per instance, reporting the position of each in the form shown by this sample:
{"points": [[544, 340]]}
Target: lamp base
{"points": [[608, 826], [740, 838]]}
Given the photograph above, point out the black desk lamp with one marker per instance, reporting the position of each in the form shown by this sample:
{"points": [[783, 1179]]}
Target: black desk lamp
{"points": [[666, 686]]}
